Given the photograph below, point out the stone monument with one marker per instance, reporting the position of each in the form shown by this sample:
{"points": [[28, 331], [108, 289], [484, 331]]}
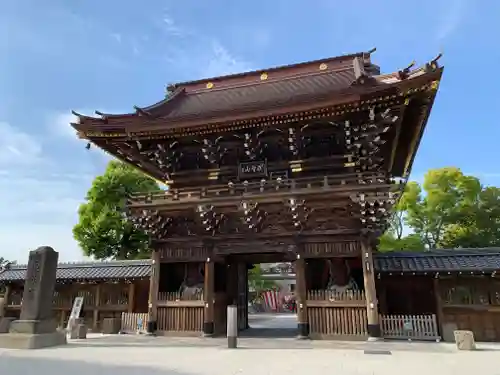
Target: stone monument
{"points": [[36, 327]]}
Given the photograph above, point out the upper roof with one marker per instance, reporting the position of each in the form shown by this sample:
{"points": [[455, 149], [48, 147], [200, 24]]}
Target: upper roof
{"points": [[454, 260], [110, 270], [243, 95]]}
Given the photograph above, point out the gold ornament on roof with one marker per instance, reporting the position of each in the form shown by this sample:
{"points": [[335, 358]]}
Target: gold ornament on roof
{"points": [[323, 66], [263, 76], [210, 85]]}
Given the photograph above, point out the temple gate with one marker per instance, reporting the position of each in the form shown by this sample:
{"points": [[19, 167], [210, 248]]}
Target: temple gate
{"points": [[300, 163]]}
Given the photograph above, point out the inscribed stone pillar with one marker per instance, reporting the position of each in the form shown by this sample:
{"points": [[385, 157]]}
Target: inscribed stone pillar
{"points": [[36, 327], [39, 285]]}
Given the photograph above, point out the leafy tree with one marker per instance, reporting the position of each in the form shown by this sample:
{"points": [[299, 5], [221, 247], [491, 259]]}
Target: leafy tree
{"points": [[102, 231], [478, 224], [257, 282], [447, 193], [412, 242], [5, 262]]}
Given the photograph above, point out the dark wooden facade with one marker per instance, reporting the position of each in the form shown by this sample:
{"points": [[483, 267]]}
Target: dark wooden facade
{"points": [[108, 289], [299, 163], [461, 287]]}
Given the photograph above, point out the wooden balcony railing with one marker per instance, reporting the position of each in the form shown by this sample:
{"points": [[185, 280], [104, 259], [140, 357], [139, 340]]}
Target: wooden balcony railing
{"points": [[264, 186]]}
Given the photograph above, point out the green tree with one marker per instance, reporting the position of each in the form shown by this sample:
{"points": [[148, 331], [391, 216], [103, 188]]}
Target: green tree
{"points": [[257, 282], [478, 224], [447, 193], [102, 231], [4, 263], [411, 242], [393, 239]]}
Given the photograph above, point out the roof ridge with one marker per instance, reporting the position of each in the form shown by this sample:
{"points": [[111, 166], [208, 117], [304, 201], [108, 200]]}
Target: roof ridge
{"points": [[270, 69], [110, 263], [271, 80]]}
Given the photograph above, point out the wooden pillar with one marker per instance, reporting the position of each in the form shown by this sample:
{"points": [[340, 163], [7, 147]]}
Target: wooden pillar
{"points": [[154, 282], [131, 297], [97, 305], [374, 331], [6, 297], [301, 297], [209, 295], [62, 319], [439, 306]]}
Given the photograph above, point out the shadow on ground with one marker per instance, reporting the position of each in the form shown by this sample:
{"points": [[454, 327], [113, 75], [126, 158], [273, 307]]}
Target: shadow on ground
{"points": [[260, 342], [40, 366]]}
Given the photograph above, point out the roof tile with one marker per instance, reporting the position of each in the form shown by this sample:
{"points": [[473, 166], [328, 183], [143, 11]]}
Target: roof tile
{"points": [[124, 269], [458, 260]]}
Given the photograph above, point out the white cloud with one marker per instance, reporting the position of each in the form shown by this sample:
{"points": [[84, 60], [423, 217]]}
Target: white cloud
{"points": [[221, 62], [117, 37], [453, 14], [17, 147], [39, 198], [59, 124]]}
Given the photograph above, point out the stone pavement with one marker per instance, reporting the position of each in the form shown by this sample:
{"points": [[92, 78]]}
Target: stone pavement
{"points": [[131, 354]]}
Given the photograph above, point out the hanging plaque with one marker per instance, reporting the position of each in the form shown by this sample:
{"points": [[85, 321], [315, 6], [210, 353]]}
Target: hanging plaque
{"points": [[252, 169]]}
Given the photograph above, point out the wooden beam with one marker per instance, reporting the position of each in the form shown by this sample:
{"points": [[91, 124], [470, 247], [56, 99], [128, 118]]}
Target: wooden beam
{"points": [[153, 292], [395, 140], [209, 297], [439, 305], [131, 297], [301, 296], [374, 330], [97, 305]]}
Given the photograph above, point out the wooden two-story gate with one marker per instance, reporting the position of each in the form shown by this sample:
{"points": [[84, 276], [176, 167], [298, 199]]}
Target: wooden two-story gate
{"points": [[299, 163]]}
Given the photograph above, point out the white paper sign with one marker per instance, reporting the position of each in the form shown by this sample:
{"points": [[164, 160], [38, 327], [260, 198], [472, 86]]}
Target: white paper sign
{"points": [[75, 311]]}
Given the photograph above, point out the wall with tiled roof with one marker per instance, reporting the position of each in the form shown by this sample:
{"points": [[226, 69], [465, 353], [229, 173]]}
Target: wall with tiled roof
{"points": [[456, 260], [109, 270]]}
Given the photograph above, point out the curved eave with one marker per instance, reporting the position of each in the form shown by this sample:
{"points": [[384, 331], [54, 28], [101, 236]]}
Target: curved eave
{"points": [[164, 123], [103, 118]]}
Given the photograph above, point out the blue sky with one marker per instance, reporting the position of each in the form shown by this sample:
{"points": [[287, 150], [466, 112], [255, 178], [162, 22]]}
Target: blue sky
{"points": [[109, 55]]}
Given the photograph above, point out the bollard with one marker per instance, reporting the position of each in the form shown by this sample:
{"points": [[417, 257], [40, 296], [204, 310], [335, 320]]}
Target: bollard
{"points": [[232, 326]]}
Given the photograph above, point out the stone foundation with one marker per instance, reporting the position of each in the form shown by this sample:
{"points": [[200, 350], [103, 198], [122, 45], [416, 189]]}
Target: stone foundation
{"points": [[32, 341]]}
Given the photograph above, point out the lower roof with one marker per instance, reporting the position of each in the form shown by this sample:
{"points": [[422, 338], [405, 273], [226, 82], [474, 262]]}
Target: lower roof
{"points": [[90, 271], [442, 260]]}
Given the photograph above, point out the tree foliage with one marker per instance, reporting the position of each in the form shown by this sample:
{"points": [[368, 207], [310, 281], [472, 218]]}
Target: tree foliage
{"points": [[257, 282], [102, 231], [449, 209], [4, 263]]}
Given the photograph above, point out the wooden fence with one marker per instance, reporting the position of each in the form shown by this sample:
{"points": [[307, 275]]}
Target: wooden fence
{"points": [[180, 313], [337, 315], [410, 327], [130, 322]]}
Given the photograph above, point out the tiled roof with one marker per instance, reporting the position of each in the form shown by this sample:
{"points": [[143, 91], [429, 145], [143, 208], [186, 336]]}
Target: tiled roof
{"points": [[456, 260], [125, 269], [255, 96]]}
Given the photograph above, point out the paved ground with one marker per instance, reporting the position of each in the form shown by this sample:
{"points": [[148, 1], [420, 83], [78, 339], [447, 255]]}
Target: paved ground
{"points": [[256, 355], [271, 325], [131, 354]]}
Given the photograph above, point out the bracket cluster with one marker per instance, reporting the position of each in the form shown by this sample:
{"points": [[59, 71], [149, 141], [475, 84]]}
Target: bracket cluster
{"points": [[152, 223], [209, 218], [253, 217]]}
